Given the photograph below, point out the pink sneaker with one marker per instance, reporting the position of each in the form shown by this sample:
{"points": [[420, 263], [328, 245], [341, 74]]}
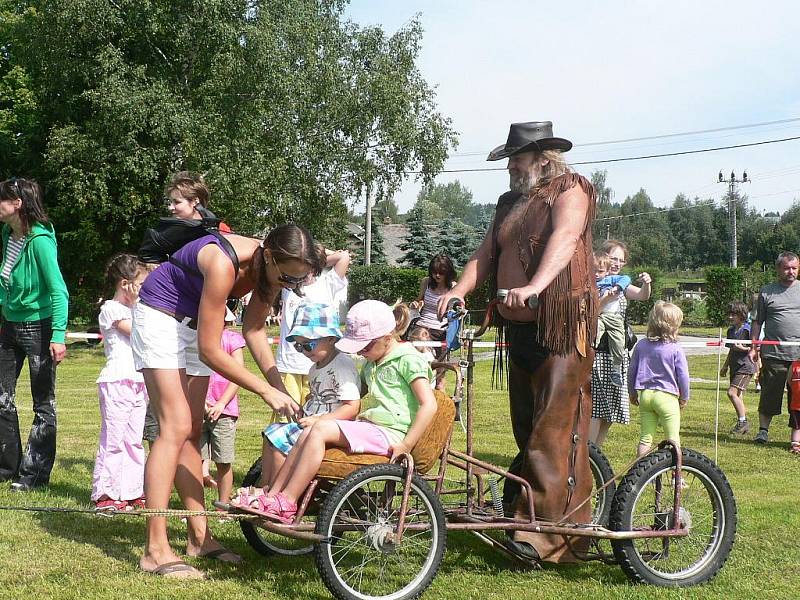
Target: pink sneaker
{"points": [[281, 509]]}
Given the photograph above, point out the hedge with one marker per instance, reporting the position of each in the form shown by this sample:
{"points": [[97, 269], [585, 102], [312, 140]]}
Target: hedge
{"points": [[387, 284], [638, 310], [723, 286]]}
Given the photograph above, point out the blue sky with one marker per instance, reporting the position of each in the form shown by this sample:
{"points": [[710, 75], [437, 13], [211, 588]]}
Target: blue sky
{"points": [[615, 70]]}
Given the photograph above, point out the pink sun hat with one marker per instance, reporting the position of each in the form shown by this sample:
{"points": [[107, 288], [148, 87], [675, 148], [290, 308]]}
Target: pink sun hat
{"points": [[366, 321]]}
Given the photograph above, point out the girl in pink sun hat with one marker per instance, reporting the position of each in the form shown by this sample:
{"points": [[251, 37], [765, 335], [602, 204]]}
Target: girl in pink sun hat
{"points": [[397, 407]]}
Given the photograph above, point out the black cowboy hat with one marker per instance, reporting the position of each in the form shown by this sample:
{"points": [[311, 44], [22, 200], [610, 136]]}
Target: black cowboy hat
{"points": [[535, 136]]}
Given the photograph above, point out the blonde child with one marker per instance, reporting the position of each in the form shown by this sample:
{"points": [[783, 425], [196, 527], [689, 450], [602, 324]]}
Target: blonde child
{"points": [[658, 377], [334, 392], [218, 434], [397, 409], [118, 478]]}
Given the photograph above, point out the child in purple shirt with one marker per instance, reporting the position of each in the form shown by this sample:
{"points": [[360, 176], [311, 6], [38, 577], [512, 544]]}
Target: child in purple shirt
{"points": [[658, 376]]}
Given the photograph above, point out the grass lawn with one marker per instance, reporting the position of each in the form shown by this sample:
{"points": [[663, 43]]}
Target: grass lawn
{"points": [[84, 556]]}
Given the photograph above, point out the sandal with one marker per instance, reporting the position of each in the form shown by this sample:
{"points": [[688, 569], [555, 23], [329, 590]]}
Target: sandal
{"points": [[176, 570], [246, 495], [282, 509], [222, 555], [109, 505], [794, 447]]}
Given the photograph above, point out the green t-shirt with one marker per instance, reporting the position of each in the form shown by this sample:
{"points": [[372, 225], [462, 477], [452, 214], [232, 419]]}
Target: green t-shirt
{"points": [[390, 403]]}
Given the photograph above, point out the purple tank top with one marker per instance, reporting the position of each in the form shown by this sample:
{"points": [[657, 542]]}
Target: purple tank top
{"points": [[176, 289]]}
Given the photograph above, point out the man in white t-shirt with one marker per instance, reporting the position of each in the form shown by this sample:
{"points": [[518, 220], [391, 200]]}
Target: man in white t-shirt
{"points": [[329, 288]]}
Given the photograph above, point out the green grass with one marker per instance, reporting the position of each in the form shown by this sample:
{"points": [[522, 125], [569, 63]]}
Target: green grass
{"points": [[83, 556]]}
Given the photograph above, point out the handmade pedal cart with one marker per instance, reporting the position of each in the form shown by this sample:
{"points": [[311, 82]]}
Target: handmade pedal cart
{"points": [[379, 530]]}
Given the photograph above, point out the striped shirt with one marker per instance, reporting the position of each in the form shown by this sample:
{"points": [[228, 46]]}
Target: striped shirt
{"points": [[13, 248]]}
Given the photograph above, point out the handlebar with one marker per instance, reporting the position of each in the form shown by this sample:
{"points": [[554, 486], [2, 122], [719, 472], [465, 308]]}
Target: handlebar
{"points": [[502, 294]]}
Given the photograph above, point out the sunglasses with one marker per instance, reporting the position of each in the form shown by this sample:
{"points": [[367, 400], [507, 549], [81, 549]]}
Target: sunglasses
{"points": [[13, 183], [306, 346], [288, 279]]}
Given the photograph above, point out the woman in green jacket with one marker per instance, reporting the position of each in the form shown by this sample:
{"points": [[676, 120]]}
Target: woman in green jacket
{"points": [[33, 299]]}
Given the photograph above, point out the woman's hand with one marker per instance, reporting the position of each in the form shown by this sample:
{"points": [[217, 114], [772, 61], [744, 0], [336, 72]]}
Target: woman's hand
{"points": [[281, 403], [723, 371], [58, 351], [415, 305], [634, 398], [682, 403], [645, 278]]}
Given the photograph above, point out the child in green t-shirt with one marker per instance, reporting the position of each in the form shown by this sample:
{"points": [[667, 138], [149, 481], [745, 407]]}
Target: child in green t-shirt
{"points": [[397, 408]]}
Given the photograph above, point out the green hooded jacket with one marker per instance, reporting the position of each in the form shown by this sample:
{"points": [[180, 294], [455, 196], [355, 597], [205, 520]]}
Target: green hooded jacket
{"points": [[35, 289]]}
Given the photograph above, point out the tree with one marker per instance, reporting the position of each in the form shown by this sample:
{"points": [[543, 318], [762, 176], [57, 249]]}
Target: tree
{"points": [[385, 208], [452, 198], [458, 241], [604, 193], [419, 246], [287, 109]]}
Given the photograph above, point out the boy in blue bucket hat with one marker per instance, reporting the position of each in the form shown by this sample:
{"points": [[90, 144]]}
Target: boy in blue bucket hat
{"points": [[335, 392]]}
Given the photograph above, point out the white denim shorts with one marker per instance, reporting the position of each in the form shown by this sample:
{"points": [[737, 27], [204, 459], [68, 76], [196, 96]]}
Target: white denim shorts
{"points": [[160, 342]]}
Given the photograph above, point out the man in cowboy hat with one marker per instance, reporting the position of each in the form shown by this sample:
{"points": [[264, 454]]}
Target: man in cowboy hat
{"points": [[539, 249]]}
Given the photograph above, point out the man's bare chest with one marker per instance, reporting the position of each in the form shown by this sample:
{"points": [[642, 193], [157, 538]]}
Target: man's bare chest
{"points": [[520, 222]]}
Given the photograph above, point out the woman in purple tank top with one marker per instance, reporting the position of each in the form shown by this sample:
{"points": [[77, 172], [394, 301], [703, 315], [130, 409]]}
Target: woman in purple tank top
{"points": [[176, 338]]}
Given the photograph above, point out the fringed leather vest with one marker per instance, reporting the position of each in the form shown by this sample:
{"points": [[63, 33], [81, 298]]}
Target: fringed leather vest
{"points": [[567, 312]]}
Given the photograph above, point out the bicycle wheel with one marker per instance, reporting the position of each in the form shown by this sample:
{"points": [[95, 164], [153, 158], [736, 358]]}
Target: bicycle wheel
{"points": [[359, 561], [601, 474], [263, 541], [644, 502]]}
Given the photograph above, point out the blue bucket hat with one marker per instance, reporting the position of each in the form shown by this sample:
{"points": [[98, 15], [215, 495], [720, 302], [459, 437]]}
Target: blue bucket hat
{"points": [[314, 321]]}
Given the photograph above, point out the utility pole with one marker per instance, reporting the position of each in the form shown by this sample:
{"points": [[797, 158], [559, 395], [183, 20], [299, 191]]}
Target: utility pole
{"points": [[732, 194], [368, 232]]}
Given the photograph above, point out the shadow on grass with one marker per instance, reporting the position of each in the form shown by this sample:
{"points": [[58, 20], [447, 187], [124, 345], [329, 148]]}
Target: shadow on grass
{"points": [[727, 438], [467, 552]]}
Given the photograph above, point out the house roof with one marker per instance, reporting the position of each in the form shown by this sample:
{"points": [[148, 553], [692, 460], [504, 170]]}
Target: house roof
{"points": [[393, 235]]}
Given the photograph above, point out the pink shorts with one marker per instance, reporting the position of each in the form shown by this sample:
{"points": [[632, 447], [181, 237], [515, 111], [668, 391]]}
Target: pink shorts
{"points": [[364, 437]]}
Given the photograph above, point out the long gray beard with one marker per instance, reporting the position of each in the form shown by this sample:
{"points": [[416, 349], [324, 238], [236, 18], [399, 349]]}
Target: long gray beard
{"points": [[521, 184]]}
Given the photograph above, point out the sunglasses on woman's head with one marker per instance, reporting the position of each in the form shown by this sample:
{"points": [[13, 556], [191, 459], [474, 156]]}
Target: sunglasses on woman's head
{"points": [[14, 187], [306, 346]]}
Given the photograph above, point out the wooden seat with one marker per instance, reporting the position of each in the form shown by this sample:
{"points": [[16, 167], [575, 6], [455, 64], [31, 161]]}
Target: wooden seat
{"points": [[338, 464]]}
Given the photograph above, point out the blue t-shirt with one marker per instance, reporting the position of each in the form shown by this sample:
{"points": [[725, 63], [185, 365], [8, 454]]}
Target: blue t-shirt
{"points": [[609, 281]]}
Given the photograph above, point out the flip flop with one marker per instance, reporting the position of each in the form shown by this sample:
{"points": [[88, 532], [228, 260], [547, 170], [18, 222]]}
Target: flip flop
{"points": [[176, 570], [222, 555]]}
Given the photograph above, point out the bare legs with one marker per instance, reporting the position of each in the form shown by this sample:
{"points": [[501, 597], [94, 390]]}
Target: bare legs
{"points": [[598, 430], [735, 396], [178, 402], [271, 462], [304, 460]]}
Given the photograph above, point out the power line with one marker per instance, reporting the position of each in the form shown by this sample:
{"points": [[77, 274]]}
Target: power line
{"points": [[627, 158], [663, 136], [657, 211]]}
